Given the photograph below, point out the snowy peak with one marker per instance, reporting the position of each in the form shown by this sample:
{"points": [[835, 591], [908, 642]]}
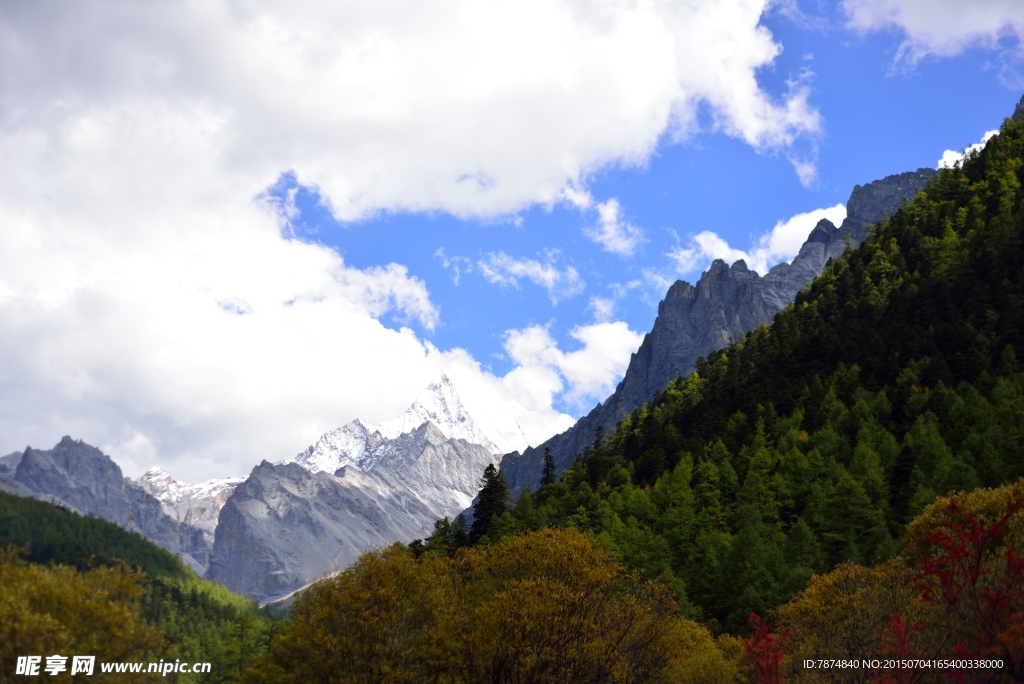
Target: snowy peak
{"points": [[439, 404], [156, 479], [194, 504], [362, 446], [353, 445], [160, 484]]}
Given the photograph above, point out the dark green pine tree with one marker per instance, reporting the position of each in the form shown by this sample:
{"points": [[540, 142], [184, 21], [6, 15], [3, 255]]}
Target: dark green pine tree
{"points": [[491, 502], [448, 536], [548, 475]]}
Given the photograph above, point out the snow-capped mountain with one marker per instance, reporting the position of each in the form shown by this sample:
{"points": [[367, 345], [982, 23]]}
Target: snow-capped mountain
{"points": [[354, 444], [289, 524], [197, 505], [359, 486], [440, 404], [362, 446]]}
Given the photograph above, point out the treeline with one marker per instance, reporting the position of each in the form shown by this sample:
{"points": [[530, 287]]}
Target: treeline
{"points": [[82, 585], [893, 379]]}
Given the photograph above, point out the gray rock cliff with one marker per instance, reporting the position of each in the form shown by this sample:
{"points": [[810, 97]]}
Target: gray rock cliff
{"points": [[726, 302]]}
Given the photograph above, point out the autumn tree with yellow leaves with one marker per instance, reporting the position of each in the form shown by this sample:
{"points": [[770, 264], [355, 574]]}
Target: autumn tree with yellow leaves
{"points": [[549, 606], [47, 610]]}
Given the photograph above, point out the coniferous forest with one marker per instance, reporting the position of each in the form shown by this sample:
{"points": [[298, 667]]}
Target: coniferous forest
{"points": [[845, 482]]}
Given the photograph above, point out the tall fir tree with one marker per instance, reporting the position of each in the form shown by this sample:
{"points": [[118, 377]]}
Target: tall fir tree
{"points": [[491, 502], [548, 475]]}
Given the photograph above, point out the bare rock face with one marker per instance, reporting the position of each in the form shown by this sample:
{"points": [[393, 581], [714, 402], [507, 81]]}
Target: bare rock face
{"points": [[288, 525], [86, 480], [727, 301]]}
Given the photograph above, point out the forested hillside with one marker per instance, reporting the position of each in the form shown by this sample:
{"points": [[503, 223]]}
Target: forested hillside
{"points": [[82, 585], [893, 379]]}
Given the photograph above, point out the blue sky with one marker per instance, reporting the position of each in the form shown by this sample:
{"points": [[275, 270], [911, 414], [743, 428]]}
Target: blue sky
{"points": [[231, 227]]}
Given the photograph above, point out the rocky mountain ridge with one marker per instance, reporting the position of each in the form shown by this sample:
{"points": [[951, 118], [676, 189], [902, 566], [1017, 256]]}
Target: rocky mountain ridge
{"points": [[726, 302], [84, 479]]}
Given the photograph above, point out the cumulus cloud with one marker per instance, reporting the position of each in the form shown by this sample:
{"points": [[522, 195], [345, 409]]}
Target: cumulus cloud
{"points": [[150, 305], [939, 27], [502, 269], [781, 243], [951, 158], [612, 232], [408, 106], [590, 372], [380, 289]]}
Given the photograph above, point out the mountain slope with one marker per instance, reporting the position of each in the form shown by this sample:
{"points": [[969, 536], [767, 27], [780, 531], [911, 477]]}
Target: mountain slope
{"points": [[357, 488], [726, 303]]}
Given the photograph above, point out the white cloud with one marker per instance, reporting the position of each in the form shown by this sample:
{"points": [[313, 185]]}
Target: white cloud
{"points": [[407, 105], [614, 234], [939, 27], [382, 289], [603, 308], [577, 197], [951, 158], [781, 243], [149, 305], [591, 371], [806, 171], [502, 269]]}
